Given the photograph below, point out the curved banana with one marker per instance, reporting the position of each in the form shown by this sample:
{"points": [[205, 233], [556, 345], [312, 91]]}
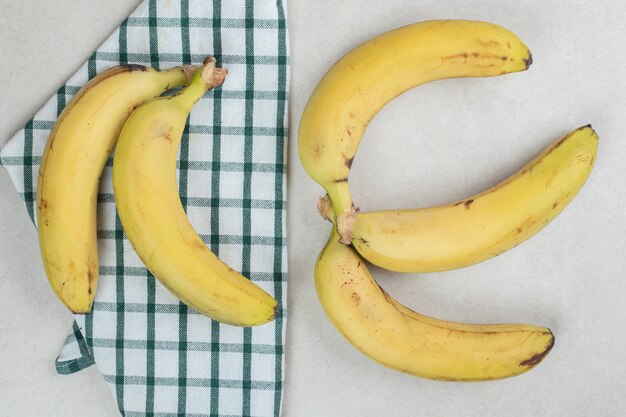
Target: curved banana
{"points": [[363, 81], [480, 227], [395, 336], [72, 162], [146, 193]]}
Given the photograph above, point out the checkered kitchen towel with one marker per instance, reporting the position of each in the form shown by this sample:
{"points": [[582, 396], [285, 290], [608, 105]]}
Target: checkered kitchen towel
{"points": [[159, 357]]}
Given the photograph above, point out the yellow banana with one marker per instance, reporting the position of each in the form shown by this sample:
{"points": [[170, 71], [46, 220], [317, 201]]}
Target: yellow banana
{"points": [[477, 228], [395, 336], [146, 193], [72, 162], [363, 81]]}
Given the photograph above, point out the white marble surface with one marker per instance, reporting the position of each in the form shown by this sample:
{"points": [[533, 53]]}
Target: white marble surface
{"points": [[440, 142]]}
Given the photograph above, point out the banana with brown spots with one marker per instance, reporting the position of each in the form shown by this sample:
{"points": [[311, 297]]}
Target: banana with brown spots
{"points": [[75, 155], [148, 202], [397, 337]]}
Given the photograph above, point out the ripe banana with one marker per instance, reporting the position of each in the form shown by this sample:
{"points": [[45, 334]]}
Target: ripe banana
{"points": [[72, 162], [395, 336], [479, 227], [363, 81], [146, 193]]}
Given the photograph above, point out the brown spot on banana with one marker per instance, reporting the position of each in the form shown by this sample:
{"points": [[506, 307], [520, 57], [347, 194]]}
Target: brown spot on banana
{"points": [[317, 152], [453, 57], [468, 203], [348, 161], [538, 357], [167, 134], [134, 67], [199, 245], [490, 42], [347, 283], [277, 310], [528, 61]]}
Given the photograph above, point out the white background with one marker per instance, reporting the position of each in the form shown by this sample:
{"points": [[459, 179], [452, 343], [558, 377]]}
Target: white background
{"points": [[440, 142]]}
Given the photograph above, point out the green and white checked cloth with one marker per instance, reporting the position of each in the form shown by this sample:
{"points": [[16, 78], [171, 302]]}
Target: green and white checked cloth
{"points": [[159, 357]]}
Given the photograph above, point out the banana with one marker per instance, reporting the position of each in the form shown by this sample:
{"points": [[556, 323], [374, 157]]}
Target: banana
{"points": [[363, 81], [482, 226], [146, 193], [72, 162], [397, 337]]}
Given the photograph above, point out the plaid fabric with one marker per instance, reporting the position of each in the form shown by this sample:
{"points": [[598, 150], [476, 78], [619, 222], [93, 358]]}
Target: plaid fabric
{"points": [[159, 357]]}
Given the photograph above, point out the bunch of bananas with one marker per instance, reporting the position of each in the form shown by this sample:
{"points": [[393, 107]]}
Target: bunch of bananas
{"points": [[429, 239], [122, 108]]}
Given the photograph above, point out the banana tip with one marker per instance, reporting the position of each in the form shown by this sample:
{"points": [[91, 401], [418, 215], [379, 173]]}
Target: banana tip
{"points": [[588, 126], [528, 61], [538, 357], [81, 311]]}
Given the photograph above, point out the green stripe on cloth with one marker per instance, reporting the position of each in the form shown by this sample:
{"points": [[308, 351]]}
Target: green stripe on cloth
{"points": [[150, 344], [247, 191], [183, 171], [191, 346], [175, 57], [205, 23], [27, 161], [119, 303], [194, 382], [159, 357], [119, 276], [150, 279], [214, 203], [281, 115], [199, 128]]}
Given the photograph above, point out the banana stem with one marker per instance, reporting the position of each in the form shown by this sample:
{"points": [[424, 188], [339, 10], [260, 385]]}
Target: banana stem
{"points": [[343, 223], [177, 76], [339, 194], [203, 80], [344, 209]]}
